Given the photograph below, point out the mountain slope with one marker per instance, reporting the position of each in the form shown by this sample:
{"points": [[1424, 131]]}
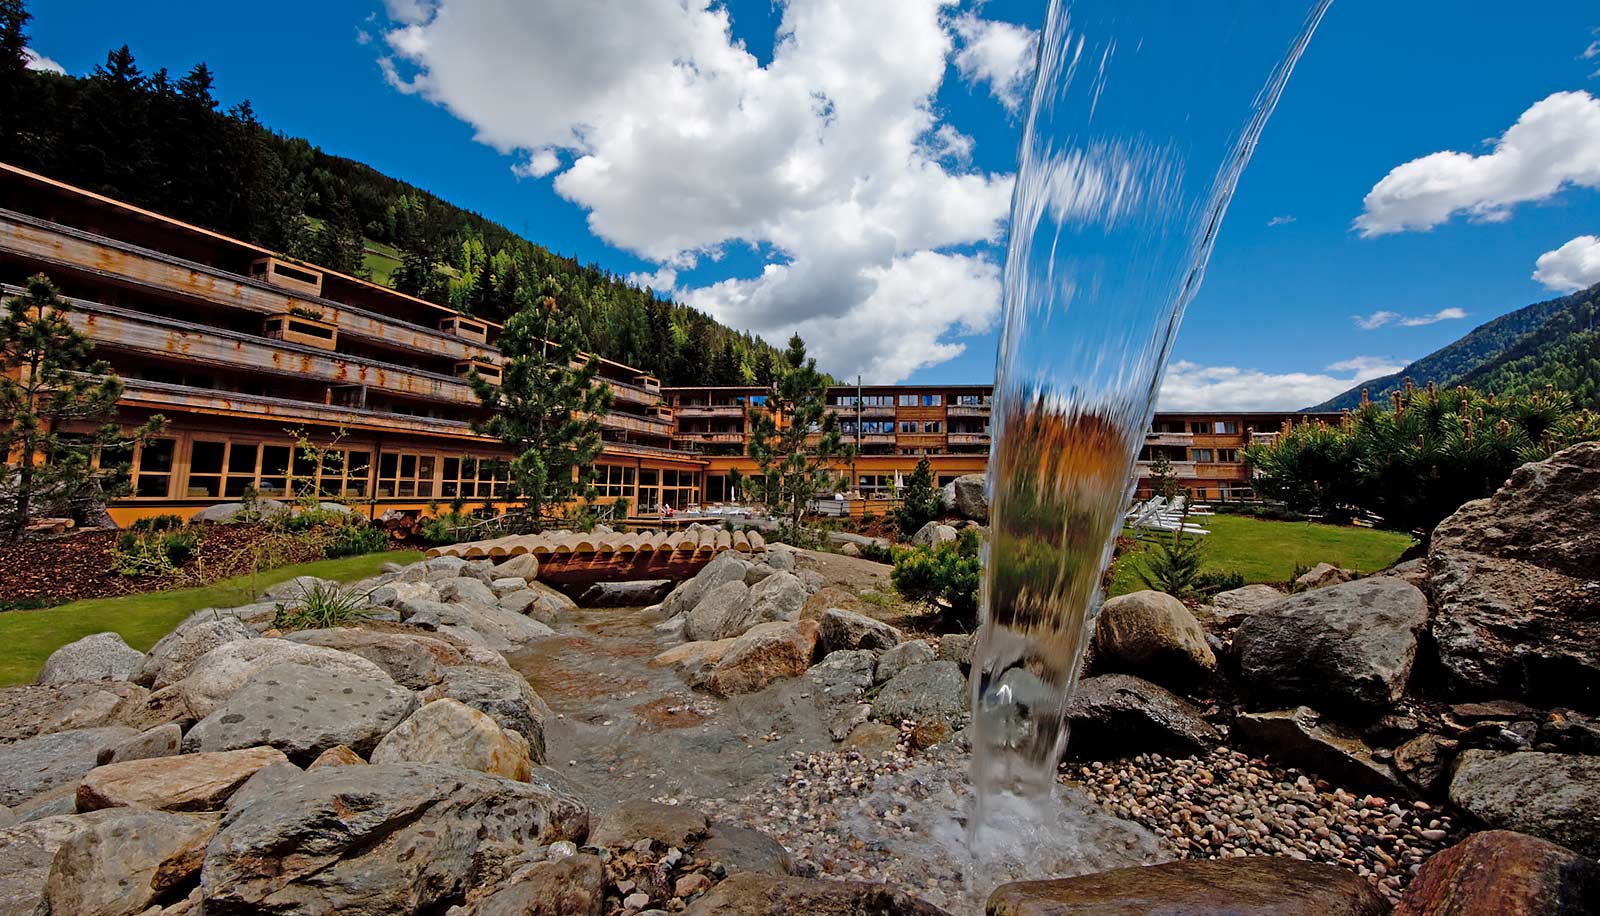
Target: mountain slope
{"points": [[1551, 342]]}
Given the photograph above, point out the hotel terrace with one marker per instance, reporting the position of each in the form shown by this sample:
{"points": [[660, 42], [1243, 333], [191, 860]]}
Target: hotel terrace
{"points": [[245, 352]]}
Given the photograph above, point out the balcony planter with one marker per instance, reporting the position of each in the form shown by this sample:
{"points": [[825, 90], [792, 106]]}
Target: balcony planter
{"points": [[487, 371], [288, 276], [465, 328], [301, 329]]}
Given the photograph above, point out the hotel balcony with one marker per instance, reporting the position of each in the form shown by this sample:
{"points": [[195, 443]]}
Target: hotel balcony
{"points": [[644, 426], [709, 438], [919, 440], [633, 394], [1182, 469], [702, 410], [869, 413], [967, 410], [877, 439], [969, 438], [160, 396], [65, 252], [1181, 439]]}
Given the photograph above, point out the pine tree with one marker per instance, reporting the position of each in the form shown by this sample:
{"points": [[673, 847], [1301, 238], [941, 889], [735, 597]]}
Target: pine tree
{"points": [[547, 410], [15, 100], [47, 378], [922, 502], [796, 438]]}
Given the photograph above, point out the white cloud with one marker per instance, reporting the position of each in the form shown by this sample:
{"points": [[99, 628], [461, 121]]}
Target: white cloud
{"points": [[1382, 318], [1554, 145], [33, 60], [1575, 265], [1001, 54], [663, 281], [678, 143], [1280, 221], [1191, 386]]}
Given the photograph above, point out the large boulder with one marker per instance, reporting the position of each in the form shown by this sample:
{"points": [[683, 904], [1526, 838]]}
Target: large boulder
{"points": [[465, 590], [1502, 873], [44, 762], [303, 711], [451, 733], [1153, 634], [215, 675], [100, 657], [30, 849], [38, 709], [719, 613], [565, 886], [767, 652], [496, 627], [1115, 715], [780, 596], [1303, 738], [757, 894], [373, 840], [170, 660], [843, 675], [1322, 575], [905, 655], [1344, 647], [933, 534], [842, 629], [125, 861], [414, 660], [1553, 796], [501, 694], [930, 692], [191, 782], [1237, 603], [693, 661], [1514, 579], [970, 497], [524, 566], [725, 567], [1250, 886]]}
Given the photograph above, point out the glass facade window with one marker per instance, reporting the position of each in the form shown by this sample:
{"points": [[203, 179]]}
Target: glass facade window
{"points": [[152, 468], [1225, 428], [612, 481], [932, 426], [933, 400], [908, 426], [877, 400], [908, 400]]}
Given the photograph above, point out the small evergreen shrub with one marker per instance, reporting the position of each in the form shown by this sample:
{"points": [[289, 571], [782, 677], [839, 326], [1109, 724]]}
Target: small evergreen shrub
{"points": [[356, 539], [1174, 565], [946, 575], [922, 503]]}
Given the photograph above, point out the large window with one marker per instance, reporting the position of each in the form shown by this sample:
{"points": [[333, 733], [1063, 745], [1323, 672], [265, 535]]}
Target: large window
{"points": [[273, 469], [612, 481], [152, 468], [908, 400], [469, 477], [877, 400], [970, 400], [933, 400], [932, 426], [908, 426], [405, 476]]}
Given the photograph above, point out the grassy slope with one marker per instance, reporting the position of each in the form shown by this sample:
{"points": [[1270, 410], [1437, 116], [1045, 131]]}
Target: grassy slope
{"points": [[28, 637], [1264, 551]]}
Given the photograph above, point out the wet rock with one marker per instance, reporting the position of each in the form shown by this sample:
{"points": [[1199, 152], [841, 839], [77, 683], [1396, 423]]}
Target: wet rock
{"points": [[414, 660], [392, 838], [1304, 738], [693, 661], [303, 711], [1501, 873], [100, 657], [1238, 603], [933, 690], [718, 614], [567, 886], [1322, 575], [724, 568], [638, 593], [956, 647], [741, 849], [631, 821], [1153, 634], [38, 709], [43, 762], [125, 861], [1423, 760], [764, 654], [1514, 579], [1553, 796], [1494, 709], [451, 733], [843, 675], [170, 660], [339, 756], [969, 497], [501, 694], [906, 655], [524, 566], [842, 629], [1250, 886], [1570, 732], [933, 534], [192, 782], [161, 741], [1347, 646], [217, 674], [871, 739], [756, 894], [1117, 715]]}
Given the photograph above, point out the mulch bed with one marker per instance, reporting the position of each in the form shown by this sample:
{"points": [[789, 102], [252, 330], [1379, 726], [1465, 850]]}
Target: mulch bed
{"points": [[83, 565]]}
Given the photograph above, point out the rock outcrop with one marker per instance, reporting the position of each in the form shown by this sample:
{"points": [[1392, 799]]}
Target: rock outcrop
{"points": [[842, 629], [450, 732]]}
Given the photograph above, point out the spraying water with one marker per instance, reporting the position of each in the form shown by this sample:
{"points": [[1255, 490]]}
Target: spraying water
{"points": [[1142, 118]]}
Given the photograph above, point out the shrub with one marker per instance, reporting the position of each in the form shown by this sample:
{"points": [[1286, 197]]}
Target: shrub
{"points": [[1174, 565], [922, 503], [946, 575], [441, 529], [356, 539], [1210, 582], [307, 519], [154, 552], [322, 607], [156, 523], [877, 553]]}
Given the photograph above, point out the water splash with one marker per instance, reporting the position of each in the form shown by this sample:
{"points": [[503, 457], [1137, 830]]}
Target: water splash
{"points": [[1142, 118]]}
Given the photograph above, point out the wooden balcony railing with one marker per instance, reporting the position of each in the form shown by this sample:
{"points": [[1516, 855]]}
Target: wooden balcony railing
{"points": [[701, 410], [160, 396], [969, 438], [967, 410]]}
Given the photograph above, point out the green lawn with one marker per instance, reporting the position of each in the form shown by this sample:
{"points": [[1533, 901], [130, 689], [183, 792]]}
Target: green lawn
{"points": [[28, 637], [1264, 551]]}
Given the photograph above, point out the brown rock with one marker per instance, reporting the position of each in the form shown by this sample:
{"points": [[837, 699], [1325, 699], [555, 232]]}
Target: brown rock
{"points": [[632, 821], [871, 738], [689, 885], [123, 864], [1323, 575], [1501, 873], [1423, 760], [1151, 633], [568, 886], [694, 660], [39, 709], [191, 782], [755, 894], [453, 733], [160, 741], [340, 756], [765, 653], [1252, 886], [414, 660]]}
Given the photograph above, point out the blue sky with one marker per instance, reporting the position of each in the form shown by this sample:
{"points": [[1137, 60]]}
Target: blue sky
{"points": [[693, 184]]}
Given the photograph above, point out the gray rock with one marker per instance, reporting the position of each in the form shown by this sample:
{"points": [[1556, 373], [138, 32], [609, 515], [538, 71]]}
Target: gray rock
{"points": [[501, 694], [725, 567], [381, 839], [499, 629], [37, 709], [742, 849], [1347, 646], [445, 567], [933, 691], [842, 629], [717, 615], [847, 719], [970, 497], [1553, 796], [1515, 579], [780, 596], [638, 593], [933, 534], [224, 513], [906, 655], [1303, 738], [1248, 886], [160, 741], [1152, 634], [844, 674], [505, 585], [1115, 715], [1413, 571], [298, 588], [216, 675], [414, 660], [393, 594], [850, 550], [54, 803], [1239, 603], [956, 647], [756, 894], [629, 822], [779, 557], [811, 579], [170, 660], [765, 653], [41, 763], [100, 657], [1322, 575], [467, 591], [303, 711], [30, 849], [451, 733]]}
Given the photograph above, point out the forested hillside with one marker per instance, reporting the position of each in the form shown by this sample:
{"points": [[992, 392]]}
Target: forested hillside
{"points": [[1556, 342], [164, 143]]}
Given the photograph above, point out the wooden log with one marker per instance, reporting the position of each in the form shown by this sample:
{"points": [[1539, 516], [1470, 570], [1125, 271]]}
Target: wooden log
{"points": [[757, 542], [724, 540]]}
